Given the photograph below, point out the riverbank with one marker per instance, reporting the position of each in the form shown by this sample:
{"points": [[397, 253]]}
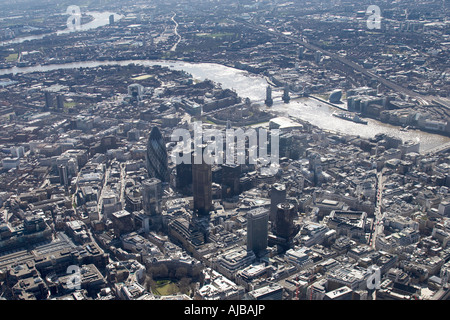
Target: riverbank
{"points": [[247, 85]]}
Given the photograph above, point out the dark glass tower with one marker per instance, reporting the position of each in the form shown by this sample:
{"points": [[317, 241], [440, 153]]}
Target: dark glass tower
{"points": [[284, 223], [257, 229], [277, 196], [202, 186], [269, 100], [231, 174], [157, 159]]}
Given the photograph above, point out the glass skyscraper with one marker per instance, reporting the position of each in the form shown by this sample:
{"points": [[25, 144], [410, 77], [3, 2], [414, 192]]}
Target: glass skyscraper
{"points": [[151, 196], [202, 186], [157, 158], [257, 229]]}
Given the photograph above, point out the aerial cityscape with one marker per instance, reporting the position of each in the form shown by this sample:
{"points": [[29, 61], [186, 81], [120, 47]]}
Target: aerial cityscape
{"points": [[246, 150]]}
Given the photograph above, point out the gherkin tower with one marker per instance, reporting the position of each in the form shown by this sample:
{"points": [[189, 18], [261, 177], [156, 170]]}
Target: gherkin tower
{"points": [[156, 157]]}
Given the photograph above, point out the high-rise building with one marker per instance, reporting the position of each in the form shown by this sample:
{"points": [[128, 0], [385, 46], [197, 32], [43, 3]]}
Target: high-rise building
{"points": [[231, 174], [269, 100], [286, 98], [135, 91], [277, 196], [156, 157], [301, 52], [48, 100], [257, 230], [151, 196], [17, 152], [284, 222], [60, 101], [202, 186], [318, 56], [63, 175], [184, 177]]}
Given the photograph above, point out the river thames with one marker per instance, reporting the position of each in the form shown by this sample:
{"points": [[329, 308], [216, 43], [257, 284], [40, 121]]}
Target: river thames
{"points": [[254, 87]]}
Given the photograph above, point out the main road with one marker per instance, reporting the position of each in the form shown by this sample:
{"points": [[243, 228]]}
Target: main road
{"points": [[175, 31], [378, 215]]}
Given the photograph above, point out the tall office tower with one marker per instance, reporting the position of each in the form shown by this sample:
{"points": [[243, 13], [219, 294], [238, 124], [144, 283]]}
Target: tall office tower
{"points": [[301, 52], [135, 92], [184, 178], [277, 196], [111, 19], [284, 222], [231, 174], [202, 185], [63, 175], [318, 56], [315, 165], [151, 196], [48, 100], [60, 101], [257, 230], [286, 98], [269, 100], [156, 157]]}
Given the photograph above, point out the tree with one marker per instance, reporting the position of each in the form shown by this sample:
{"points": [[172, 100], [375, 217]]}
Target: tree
{"points": [[160, 271], [181, 272], [184, 284], [149, 283]]}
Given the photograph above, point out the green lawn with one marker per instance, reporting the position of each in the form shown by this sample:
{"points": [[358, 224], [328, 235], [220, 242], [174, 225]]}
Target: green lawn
{"points": [[69, 105], [12, 57], [165, 287]]}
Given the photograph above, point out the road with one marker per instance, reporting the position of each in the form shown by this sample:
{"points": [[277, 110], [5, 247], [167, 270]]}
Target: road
{"points": [[102, 192], [175, 31], [422, 99], [122, 184], [378, 215]]}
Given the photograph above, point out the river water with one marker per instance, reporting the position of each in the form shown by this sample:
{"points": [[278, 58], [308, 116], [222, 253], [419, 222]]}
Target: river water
{"points": [[254, 87], [100, 19], [320, 114]]}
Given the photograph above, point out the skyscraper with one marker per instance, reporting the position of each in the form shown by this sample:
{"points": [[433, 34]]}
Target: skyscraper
{"points": [[151, 196], [60, 101], [318, 56], [184, 178], [277, 196], [301, 52], [48, 100], [202, 186], [230, 180], [156, 157], [284, 223], [269, 100], [135, 91], [257, 230], [286, 98], [63, 175]]}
